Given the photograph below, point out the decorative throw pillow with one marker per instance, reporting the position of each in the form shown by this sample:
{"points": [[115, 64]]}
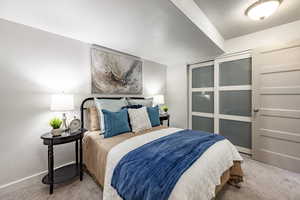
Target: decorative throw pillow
{"points": [[144, 102], [115, 123], [139, 119], [112, 105], [93, 119], [153, 113]]}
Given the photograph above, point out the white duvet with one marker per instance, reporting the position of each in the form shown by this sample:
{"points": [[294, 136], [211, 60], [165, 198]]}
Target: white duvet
{"points": [[196, 183]]}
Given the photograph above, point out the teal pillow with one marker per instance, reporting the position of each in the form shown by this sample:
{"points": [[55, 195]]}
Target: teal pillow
{"points": [[115, 123], [153, 113]]}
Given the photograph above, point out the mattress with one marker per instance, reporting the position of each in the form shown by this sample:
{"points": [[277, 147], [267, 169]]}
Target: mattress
{"points": [[96, 149]]}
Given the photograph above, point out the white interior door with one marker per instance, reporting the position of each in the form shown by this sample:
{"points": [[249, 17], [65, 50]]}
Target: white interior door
{"points": [[276, 135]]}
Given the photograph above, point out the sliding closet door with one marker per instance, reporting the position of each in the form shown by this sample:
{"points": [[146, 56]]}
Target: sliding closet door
{"points": [[233, 106], [202, 97], [277, 106], [220, 99]]}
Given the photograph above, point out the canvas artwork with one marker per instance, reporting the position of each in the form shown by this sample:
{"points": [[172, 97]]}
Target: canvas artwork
{"points": [[114, 73]]}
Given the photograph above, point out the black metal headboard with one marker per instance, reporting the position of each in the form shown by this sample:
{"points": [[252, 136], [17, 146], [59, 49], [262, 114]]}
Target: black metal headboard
{"points": [[83, 108]]}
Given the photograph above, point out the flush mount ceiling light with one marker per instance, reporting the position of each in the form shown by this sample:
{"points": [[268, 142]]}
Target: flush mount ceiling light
{"points": [[262, 9]]}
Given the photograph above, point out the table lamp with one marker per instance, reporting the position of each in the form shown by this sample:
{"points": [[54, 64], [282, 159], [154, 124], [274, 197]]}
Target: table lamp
{"points": [[159, 99], [62, 103]]}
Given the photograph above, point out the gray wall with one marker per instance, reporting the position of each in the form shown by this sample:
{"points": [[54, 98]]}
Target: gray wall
{"points": [[33, 65]]}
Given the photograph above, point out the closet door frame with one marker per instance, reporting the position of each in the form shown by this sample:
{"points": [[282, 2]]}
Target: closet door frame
{"points": [[204, 89]]}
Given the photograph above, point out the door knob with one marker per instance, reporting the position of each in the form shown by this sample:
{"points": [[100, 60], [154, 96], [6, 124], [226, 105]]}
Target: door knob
{"points": [[256, 110]]}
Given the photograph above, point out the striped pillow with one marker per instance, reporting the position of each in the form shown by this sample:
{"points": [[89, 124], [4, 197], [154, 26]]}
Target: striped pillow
{"points": [[93, 119]]}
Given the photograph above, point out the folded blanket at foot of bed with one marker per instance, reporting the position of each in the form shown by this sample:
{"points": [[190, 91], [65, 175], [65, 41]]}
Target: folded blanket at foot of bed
{"points": [[152, 170]]}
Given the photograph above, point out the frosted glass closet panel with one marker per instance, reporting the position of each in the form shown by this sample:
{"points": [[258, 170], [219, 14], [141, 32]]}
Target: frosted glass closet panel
{"points": [[203, 124], [203, 77], [239, 133], [203, 102], [235, 102], [236, 72]]}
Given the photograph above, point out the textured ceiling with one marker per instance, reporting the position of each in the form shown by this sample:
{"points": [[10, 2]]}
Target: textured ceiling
{"points": [[228, 16], [152, 29]]}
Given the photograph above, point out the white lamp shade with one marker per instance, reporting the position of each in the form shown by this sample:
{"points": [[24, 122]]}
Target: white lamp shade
{"points": [[159, 99], [62, 102]]}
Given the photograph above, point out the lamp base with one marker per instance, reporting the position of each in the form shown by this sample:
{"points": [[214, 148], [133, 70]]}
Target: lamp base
{"points": [[64, 123]]}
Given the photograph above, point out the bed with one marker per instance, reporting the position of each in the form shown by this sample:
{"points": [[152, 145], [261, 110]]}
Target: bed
{"points": [[220, 164]]}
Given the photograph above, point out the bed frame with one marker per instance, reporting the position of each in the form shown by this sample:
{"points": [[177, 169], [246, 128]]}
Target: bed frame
{"points": [[83, 108]]}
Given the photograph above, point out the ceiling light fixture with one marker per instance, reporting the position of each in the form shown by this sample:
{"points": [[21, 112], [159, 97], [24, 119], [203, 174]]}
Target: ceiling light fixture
{"points": [[262, 9]]}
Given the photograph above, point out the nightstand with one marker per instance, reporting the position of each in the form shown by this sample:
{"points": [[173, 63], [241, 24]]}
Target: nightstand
{"points": [[68, 172], [164, 117]]}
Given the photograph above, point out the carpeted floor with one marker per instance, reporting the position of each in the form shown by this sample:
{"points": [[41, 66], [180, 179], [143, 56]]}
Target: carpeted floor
{"points": [[261, 182], [265, 182]]}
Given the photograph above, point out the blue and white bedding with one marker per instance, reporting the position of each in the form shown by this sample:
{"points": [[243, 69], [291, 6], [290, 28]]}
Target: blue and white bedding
{"points": [[195, 179]]}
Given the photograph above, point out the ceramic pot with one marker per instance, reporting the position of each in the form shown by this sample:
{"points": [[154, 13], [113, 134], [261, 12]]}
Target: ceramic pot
{"points": [[56, 132]]}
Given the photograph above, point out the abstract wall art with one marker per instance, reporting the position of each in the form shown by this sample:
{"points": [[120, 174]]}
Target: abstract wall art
{"points": [[115, 73]]}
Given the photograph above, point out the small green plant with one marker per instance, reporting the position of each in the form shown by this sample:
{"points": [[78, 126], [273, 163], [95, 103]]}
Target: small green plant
{"points": [[55, 123], [165, 108]]}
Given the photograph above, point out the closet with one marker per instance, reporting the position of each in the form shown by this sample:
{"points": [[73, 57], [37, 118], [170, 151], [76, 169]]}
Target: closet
{"points": [[220, 98], [253, 99]]}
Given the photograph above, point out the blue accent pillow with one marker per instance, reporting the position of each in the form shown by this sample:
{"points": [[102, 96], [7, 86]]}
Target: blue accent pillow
{"points": [[115, 123], [132, 106], [153, 113], [144, 102]]}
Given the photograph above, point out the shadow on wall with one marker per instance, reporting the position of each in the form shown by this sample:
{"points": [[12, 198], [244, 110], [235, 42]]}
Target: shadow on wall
{"points": [[177, 95]]}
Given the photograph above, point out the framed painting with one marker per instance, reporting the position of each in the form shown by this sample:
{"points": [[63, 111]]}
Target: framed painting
{"points": [[115, 73]]}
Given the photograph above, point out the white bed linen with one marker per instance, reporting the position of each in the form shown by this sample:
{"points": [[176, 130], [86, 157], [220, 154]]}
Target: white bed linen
{"points": [[196, 183]]}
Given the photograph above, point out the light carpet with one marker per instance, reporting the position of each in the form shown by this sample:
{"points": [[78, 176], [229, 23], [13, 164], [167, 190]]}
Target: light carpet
{"points": [[261, 182]]}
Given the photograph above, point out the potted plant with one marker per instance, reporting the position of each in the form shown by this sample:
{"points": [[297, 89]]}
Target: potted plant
{"points": [[55, 123], [165, 108]]}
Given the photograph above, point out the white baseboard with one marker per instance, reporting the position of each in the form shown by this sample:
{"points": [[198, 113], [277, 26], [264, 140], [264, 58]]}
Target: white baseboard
{"points": [[32, 176]]}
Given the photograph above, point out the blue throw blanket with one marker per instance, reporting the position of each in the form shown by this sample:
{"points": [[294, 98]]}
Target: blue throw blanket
{"points": [[151, 171]]}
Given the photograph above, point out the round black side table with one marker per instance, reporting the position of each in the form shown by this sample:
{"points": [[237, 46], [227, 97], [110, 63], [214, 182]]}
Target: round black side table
{"points": [[164, 117], [68, 172]]}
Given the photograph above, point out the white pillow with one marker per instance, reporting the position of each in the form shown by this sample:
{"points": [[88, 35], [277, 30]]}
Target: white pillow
{"points": [[139, 119]]}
